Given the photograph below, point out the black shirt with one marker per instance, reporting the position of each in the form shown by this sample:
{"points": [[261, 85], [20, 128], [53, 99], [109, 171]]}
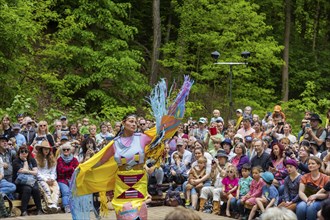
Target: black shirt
{"points": [[263, 161]]}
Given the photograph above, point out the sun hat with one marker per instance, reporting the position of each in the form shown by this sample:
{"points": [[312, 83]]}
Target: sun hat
{"points": [[43, 144], [268, 177]]}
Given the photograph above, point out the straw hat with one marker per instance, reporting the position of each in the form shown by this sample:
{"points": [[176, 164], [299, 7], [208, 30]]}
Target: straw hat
{"points": [[43, 144]]}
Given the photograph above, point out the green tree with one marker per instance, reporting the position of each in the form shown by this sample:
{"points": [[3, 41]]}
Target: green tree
{"points": [[230, 27], [86, 55]]}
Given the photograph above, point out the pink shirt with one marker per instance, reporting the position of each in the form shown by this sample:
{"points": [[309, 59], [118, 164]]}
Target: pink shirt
{"points": [[256, 188], [229, 184]]}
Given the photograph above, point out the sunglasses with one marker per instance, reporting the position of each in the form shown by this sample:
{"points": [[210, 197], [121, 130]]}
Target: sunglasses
{"points": [[42, 125], [230, 171], [24, 151], [66, 149], [142, 124]]}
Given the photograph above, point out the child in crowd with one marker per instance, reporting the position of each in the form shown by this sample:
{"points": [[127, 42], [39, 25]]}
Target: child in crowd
{"points": [[269, 195], [243, 188], [195, 173], [230, 183], [178, 171], [166, 163], [255, 191]]}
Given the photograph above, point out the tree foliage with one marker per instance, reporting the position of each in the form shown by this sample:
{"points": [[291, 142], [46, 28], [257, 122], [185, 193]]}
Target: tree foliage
{"points": [[93, 58]]}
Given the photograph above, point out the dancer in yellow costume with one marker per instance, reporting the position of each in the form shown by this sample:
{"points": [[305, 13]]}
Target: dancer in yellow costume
{"points": [[119, 165]]}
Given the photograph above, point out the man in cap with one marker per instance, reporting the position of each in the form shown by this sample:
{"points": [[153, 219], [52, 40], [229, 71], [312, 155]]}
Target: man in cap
{"points": [[239, 115], [181, 149], [7, 157], [29, 132], [65, 129], [315, 132], [20, 139], [246, 129], [200, 132]]}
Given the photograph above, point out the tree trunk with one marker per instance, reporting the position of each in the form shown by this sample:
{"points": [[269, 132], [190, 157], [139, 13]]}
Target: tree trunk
{"points": [[285, 71], [316, 22], [156, 41]]}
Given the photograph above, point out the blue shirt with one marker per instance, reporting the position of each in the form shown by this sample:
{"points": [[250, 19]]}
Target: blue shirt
{"points": [[270, 192], [20, 140]]}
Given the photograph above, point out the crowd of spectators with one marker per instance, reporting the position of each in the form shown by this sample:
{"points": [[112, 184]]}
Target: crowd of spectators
{"points": [[240, 168]]}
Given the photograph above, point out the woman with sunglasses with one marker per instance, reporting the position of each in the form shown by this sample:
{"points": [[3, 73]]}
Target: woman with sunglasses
{"points": [[24, 163], [66, 164], [119, 166], [43, 134]]}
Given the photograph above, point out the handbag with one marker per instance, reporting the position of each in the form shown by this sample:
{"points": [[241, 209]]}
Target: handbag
{"points": [[25, 179]]}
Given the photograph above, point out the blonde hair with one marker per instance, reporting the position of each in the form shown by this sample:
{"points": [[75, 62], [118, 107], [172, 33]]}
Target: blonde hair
{"points": [[278, 214], [46, 131], [182, 213], [202, 160], [232, 168]]}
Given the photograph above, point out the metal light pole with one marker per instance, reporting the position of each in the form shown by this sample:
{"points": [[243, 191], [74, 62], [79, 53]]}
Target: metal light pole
{"points": [[215, 55]]}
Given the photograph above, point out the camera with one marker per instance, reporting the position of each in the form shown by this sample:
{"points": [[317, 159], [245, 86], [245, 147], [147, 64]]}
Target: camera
{"points": [[288, 152]]}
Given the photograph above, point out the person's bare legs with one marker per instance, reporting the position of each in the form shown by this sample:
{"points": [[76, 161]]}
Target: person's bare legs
{"points": [[253, 212], [194, 200], [228, 205]]}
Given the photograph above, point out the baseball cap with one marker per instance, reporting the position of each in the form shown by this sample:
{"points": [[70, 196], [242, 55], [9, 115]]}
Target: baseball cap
{"points": [[63, 117], [179, 142], [239, 110]]}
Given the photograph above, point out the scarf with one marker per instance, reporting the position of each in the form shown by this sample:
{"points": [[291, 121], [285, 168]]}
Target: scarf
{"points": [[67, 159]]}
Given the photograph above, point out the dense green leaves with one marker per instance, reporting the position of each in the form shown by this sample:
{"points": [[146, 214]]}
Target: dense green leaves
{"points": [[84, 57]]}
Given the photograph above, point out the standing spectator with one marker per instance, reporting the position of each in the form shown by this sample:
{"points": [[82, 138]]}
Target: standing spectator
{"points": [[200, 132], [286, 133], [24, 164], [246, 130], [47, 176], [92, 132], [248, 111], [84, 128], [57, 135], [5, 127], [65, 129], [29, 132], [66, 164], [20, 118], [20, 139], [7, 157], [258, 130], [104, 136], [262, 158], [315, 132], [216, 116], [310, 184], [239, 115], [210, 138], [43, 134]]}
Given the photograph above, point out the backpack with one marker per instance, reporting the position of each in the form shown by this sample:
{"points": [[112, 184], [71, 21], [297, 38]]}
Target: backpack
{"points": [[173, 198], [4, 211]]}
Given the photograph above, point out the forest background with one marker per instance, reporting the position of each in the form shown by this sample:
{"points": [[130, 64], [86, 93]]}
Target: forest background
{"points": [[100, 59]]}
